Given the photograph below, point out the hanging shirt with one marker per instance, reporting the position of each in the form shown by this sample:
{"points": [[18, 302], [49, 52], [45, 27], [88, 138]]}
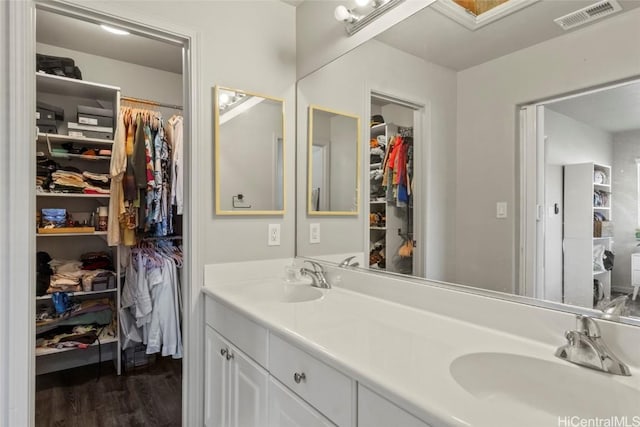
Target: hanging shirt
{"points": [[117, 169], [177, 167]]}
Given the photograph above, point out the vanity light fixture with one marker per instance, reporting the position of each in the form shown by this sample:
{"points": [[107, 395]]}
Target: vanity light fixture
{"points": [[114, 30], [368, 11]]}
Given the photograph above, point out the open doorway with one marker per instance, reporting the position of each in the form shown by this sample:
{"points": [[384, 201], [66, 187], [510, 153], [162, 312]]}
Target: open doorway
{"points": [[393, 190], [109, 267], [588, 146]]}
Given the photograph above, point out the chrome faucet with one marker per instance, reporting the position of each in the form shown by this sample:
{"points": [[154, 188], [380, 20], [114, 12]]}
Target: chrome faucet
{"points": [[318, 278], [615, 308], [347, 262], [586, 348]]}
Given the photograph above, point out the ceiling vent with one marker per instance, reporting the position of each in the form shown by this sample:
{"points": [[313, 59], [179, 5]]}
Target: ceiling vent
{"points": [[588, 14]]}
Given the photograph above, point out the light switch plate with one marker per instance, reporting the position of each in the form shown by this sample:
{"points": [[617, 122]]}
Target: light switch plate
{"points": [[501, 210], [314, 233], [274, 235]]}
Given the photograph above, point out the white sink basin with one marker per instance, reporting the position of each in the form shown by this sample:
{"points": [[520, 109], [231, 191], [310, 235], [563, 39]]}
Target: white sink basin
{"points": [[555, 388], [282, 292]]}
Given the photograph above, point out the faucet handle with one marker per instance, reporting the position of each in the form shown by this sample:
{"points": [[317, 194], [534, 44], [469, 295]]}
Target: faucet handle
{"points": [[587, 326]]}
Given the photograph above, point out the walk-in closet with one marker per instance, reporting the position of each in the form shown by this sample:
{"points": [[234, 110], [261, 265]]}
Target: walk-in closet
{"points": [[109, 195], [391, 185]]}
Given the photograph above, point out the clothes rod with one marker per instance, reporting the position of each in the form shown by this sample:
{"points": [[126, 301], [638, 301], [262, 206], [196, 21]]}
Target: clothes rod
{"points": [[149, 102]]}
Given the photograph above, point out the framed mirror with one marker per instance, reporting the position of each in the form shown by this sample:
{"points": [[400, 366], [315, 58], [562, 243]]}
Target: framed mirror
{"points": [[249, 143], [333, 149], [499, 120]]}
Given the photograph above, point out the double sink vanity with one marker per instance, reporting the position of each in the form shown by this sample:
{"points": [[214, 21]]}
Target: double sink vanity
{"points": [[284, 353]]}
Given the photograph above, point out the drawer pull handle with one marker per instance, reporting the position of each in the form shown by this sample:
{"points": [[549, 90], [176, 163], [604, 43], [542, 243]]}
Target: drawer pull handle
{"points": [[298, 378], [229, 355]]}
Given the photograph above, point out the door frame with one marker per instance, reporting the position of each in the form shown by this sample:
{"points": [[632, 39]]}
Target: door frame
{"points": [[18, 340]]}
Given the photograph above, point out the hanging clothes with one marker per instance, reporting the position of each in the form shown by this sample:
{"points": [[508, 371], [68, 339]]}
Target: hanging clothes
{"points": [[147, 164], [151, 306]]}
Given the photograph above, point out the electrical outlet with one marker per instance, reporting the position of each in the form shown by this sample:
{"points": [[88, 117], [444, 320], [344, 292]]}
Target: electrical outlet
{"points": [[314, 233], [274, 235]]}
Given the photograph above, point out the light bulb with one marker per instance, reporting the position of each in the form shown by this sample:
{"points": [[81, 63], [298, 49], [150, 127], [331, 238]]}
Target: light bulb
{"points": [[342, 13], [362, 3], [224, 98]]}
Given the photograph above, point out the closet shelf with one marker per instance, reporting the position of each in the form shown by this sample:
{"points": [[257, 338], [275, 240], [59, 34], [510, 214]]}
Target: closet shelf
{"points": [[44, 351], [74, 195], [595, 273], [78, 156], [49, 83], [54, 137], [378, 202], [604, 208], [377, 228], [78, 294], [95, 233]]}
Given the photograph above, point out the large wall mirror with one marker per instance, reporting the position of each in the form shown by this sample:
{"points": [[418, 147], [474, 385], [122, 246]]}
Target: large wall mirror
{"points": [[518, 144], [249, 153], [333, 163]]}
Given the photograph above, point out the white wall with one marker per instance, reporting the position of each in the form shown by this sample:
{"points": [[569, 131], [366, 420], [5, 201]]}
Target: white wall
{"points": [[487, 129], [344, 85], [570, 141], [624, 189]]}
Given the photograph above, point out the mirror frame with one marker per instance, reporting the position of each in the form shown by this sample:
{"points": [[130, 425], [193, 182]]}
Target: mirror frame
{"points": [[310, 211], [217, 144]]}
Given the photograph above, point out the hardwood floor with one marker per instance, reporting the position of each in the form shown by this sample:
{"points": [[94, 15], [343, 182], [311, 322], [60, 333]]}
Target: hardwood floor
{"points": [[148, 396]]}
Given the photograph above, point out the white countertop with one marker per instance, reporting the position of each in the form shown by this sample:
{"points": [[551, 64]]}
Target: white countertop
{"points": [[400, 352]]}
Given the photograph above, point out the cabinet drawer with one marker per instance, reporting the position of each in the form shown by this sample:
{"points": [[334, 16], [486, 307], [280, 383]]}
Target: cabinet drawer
{"points": [[288, 410], [245, 334], [376, 411], [326, 389]]}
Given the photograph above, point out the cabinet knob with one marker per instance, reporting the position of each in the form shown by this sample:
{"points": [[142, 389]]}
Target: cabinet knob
{"points": [[223, 351], [298, 378], [229, 355]]}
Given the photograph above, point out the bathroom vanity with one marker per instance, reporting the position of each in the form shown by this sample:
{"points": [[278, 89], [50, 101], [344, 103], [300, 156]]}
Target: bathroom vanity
{"points": [[280, 354]]}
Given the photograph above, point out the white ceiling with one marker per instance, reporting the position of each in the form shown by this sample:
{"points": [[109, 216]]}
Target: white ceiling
{"points": [[614, 110], [436, 38], [74, 34]]}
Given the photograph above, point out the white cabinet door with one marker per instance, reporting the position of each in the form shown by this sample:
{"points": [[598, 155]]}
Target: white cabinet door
{"points": [[248, 391], [376, 411], [217, 392], [287, 410]]}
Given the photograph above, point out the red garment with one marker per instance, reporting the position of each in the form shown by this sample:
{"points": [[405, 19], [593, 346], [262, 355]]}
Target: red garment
{"points": [[394, 152]]}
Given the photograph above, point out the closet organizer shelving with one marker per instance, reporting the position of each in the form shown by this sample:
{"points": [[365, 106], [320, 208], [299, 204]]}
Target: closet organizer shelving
{"points": [[69, 93], [396, 220], [587, 198]]}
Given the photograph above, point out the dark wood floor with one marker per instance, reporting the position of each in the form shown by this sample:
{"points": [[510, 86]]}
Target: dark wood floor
{"points": [[148, 396]]}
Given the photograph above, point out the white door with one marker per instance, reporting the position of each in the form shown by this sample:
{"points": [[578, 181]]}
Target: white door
{"points": [[553, 197], [376, 411], [249, 382], [217, 390], [288, 410]]}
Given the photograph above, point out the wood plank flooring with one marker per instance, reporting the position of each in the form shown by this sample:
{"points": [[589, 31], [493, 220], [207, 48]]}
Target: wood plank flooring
{"points": [[148, 396]]}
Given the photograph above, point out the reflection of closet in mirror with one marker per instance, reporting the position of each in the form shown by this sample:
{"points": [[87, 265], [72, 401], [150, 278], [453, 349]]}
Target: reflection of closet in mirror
{"points": [[391, 186]]}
